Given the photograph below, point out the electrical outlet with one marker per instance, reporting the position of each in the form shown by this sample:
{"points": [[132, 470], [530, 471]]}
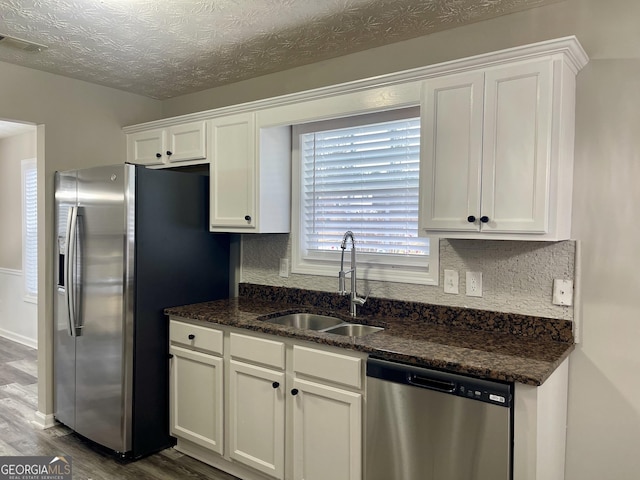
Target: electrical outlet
{"points": [[474, 284], [451, 280], [284, 267], [562, 292]]}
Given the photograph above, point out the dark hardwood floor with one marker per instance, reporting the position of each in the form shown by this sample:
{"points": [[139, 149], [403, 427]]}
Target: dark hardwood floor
{"points": [[18, 436]]}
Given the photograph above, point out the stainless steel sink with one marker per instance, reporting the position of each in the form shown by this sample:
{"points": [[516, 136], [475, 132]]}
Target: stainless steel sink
{"points": [[306, 321], [353, 329]]}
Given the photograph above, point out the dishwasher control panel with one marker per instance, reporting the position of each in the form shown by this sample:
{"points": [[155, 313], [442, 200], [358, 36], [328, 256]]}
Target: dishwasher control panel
{"points": [[450, 383], [479, 393]]}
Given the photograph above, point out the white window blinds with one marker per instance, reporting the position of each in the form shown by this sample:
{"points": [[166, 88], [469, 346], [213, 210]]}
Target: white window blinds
{"points": [[364, 179], [30, 228], [361, 174]]}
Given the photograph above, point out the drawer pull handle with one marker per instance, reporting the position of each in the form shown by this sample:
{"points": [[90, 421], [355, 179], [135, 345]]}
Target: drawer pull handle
{"points": [[294, 392], [275, 384], [191, 336]]}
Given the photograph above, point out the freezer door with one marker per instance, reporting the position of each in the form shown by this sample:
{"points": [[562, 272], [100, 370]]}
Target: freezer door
{"points": [[64, 347], [103, 343]]}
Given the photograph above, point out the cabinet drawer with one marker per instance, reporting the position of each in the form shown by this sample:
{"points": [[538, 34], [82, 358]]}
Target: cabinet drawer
{"points": [[330, 366], [195, 336], [258, 350]]}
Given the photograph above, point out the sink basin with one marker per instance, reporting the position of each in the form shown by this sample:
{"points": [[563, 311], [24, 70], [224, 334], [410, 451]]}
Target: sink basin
{"points": [[306, 321], [353, 330]]}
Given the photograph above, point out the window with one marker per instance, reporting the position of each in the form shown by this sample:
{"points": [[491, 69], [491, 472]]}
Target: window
{"points": [[30, 229], [361, 174]]}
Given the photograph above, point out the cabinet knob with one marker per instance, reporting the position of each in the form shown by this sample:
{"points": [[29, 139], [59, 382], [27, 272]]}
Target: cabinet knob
{"points": [[158, 155], [247, 218], [275, 384], [484, 219], [471, 219], [169, 152], [171, 355], [191, 336], [294, 392]]}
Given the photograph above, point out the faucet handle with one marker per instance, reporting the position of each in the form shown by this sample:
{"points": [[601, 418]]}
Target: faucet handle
{"points": [[360, 300], [366, 295]]}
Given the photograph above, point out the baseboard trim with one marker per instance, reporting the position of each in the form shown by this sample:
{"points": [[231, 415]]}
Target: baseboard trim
{"points": [[42, 420], [16, 337]]}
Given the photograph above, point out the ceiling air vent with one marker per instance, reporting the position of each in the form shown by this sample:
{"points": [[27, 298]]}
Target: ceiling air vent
{"points": [[13, 42]]}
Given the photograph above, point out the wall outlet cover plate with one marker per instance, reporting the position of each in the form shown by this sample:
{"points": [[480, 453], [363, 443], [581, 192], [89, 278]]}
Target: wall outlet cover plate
{"points": [[474, 284], [562, 292]]}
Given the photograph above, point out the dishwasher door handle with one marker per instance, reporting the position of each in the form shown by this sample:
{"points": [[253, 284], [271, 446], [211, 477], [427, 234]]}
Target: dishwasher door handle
{"points": [[431, 383]]}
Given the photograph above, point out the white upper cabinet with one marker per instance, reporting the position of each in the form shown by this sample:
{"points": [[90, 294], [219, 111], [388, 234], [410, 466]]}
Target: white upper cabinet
{"points": [[496, 146], [187, 142], [146, 148], [250, 172], [165, 147], [232, 169], [497, 152], [451, 156]]}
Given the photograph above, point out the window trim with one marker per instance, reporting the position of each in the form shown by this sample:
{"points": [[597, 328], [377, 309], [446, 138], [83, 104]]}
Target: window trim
{"points": [[29, 295], [369, 268]]}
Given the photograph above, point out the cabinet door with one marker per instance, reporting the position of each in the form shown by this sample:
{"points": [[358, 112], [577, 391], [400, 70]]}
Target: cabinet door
{"points": [[187, 142], [451, 147], [146, 148], [196, 398], [256, 417], [517, 150], [233, 171], [327, 432]]}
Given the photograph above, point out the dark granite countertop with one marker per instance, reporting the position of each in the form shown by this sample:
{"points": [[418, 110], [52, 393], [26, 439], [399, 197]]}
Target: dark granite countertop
{"points": [[504, 347]]}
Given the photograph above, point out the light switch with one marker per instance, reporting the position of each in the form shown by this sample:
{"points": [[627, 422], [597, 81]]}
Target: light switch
{"points": [[451, 280], [284, 267]]}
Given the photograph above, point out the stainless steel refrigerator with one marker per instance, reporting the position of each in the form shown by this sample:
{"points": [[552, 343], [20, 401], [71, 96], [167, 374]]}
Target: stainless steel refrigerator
{"points": [[130, 242]]}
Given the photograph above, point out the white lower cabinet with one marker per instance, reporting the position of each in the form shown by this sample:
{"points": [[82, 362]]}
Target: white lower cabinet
{"points": [[327, 432], [291, 410], [256, 417], [197, 416]]}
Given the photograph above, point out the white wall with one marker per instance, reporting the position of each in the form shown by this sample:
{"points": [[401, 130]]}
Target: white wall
{"points": [[13, 150], [18, 318], [79, 124], [604, 396]]}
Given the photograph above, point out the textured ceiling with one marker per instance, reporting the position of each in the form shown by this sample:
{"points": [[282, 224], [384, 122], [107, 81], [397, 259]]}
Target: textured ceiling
{"points": [[165, 48]]}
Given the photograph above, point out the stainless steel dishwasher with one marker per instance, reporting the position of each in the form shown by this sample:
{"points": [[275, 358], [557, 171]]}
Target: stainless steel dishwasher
{"points": [[424, 424]]}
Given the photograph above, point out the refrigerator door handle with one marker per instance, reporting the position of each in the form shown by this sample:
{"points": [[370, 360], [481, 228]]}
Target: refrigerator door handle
{"points": [[70, 267]]}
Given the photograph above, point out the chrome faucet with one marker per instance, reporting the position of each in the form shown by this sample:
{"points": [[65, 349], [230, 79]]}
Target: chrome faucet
{"points": [[355, 300]]}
